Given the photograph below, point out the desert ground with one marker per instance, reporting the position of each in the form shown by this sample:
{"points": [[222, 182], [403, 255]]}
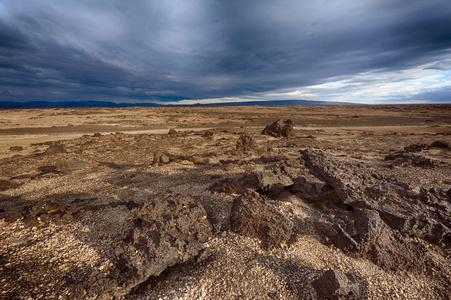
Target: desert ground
{"points": [[341, 202]]}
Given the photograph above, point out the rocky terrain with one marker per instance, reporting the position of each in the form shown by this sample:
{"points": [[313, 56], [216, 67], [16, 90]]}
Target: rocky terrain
{"points": [[307, 202]]}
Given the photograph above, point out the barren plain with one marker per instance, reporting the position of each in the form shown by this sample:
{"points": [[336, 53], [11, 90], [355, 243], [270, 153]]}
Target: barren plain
{"points": [[341, 202]]}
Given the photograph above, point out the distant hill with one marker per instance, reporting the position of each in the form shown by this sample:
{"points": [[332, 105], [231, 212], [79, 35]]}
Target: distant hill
{"points": [[92, 103]]}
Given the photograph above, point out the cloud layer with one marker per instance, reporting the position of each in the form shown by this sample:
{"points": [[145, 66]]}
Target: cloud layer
{"points": [[165, 51]]}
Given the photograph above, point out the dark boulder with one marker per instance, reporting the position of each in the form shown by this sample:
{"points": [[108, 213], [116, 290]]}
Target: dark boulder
{"points": [[336, 285], [280, 129], [167, 231], [252, 216]]}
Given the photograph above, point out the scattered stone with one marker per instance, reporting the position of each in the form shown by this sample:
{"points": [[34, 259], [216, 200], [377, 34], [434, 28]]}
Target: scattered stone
{"points": [[16, 148], [252, 216], [245, 143], [335, 285], [6, 185], [280, 129], [167, 231], [160, 157], [55, 149], [172, 131], [208, 135], [197, 159], [70, 165]]}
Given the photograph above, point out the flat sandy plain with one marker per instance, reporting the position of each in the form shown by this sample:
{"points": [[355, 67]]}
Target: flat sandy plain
{"points": [[53, 254]]}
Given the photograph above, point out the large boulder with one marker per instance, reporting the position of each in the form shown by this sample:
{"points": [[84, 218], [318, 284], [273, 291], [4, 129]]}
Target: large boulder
{"points": [[167, 231], [280, 129], [253, 216]]}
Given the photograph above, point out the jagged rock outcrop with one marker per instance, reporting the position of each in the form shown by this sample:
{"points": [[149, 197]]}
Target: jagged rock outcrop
{"points": [[368, 236], [347, 179], [253, 216], [355, 185]]}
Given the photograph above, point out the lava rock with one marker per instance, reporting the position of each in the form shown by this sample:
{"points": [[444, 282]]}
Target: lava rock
{"points": [[167, 231], [280, 129], [253, 216], [16, 148], [336, 285], [160, 157], [347, 179], [384, 246], [245, 143], [261, 181], [73, 165], [197, 159], [55, 149]]}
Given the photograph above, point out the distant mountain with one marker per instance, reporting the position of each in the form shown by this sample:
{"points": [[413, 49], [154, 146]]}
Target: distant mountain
{"points": [[277, 102], [92, 103]]}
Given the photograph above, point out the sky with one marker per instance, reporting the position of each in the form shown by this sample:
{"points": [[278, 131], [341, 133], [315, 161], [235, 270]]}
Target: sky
{"points": [[207, 51]]}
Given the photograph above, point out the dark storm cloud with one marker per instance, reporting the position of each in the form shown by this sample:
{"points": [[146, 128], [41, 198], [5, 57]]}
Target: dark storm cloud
{"points": [[170, 50]]}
